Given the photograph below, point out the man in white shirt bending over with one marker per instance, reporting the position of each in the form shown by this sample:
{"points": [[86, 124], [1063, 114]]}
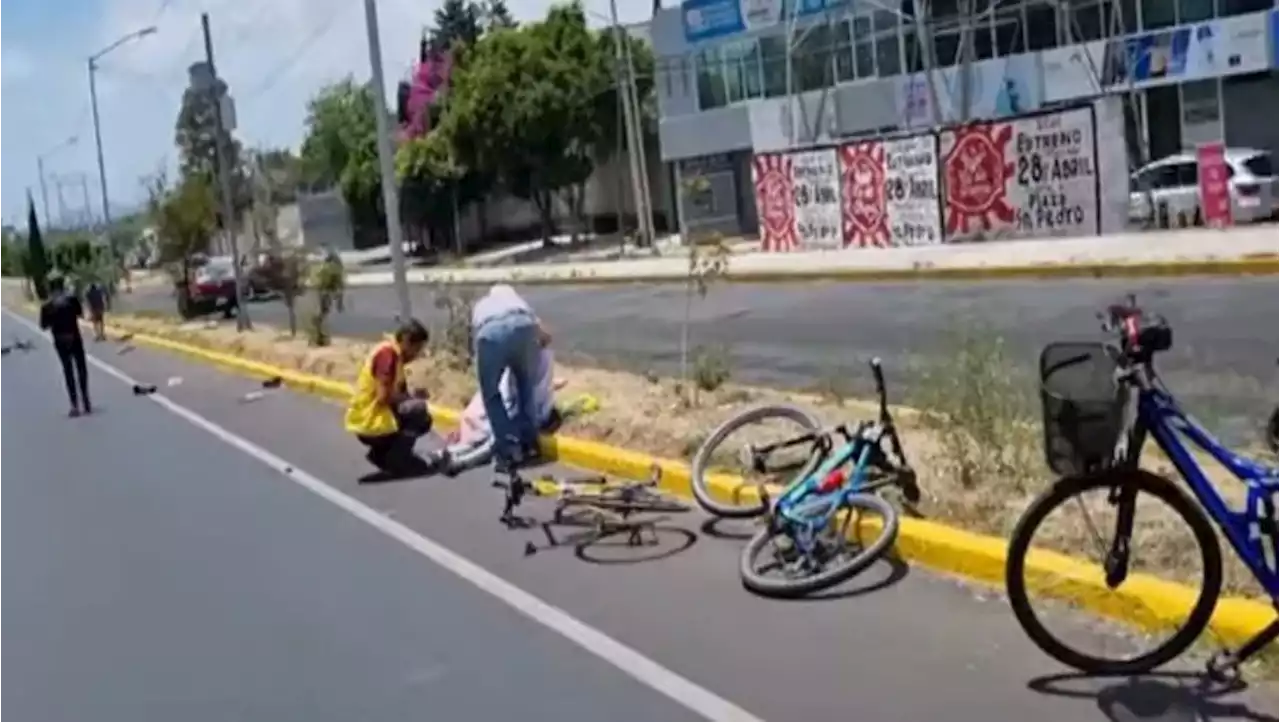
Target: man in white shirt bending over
{"points": [[508, 338]]}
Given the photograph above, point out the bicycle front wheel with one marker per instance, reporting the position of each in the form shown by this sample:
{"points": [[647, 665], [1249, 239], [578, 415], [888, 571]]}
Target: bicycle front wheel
{"points": [[771, 566], [1165, 510], [758, 425]]}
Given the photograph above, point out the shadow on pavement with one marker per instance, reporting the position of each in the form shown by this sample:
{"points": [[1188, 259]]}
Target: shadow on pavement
{"points": [[884, 573], [734, 529], [1157, 697], [668, 541]]}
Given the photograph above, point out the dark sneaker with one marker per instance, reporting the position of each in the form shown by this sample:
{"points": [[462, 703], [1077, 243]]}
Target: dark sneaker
{"points": [[74, 412]]}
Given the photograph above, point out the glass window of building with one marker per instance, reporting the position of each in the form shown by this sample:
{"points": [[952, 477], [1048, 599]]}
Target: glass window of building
{"points": [[1125, 23], [1086, 20], [753, 83], [811, 64], [843, 51], [946, 48], [711, 85], [1158, 14], [731, 59], [773, 61], [864, 48], [1010, 39], [984, 45], [1240, 7], [888, 43], [1193, 11], [1042, 27]]}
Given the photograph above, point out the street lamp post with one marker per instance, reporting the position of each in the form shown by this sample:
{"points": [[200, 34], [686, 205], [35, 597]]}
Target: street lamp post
{"points": [[97, 126], [44, 187]]}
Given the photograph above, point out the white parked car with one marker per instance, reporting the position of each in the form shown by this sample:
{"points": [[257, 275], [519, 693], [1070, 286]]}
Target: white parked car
{"points": [[1166, 192]]}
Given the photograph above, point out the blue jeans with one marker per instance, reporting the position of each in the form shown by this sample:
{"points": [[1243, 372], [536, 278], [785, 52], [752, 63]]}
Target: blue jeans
{"points": [[505, 343]]}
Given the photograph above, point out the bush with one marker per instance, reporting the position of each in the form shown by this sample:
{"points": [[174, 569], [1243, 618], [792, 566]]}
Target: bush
{"points": [[454, 340], [712, 367], [981, 408]]}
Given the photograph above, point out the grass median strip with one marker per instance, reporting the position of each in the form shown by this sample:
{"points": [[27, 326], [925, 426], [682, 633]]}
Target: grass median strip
{"points": [[978, 471]]}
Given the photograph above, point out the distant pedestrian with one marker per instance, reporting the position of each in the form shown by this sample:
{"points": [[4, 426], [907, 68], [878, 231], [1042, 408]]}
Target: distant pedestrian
{"points": [[95, 297], [60, 316]]}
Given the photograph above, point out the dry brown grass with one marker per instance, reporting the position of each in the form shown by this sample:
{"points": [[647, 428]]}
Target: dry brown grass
{"points": [[977, 451]]}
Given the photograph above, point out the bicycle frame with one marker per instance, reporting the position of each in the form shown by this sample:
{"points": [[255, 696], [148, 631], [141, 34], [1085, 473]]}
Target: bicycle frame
{"points": [[804, 492], [1251, 532]]}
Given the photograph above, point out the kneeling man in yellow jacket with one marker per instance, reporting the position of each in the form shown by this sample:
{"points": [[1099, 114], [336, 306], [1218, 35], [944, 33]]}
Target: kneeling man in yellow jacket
{"points": [[382, 413]]}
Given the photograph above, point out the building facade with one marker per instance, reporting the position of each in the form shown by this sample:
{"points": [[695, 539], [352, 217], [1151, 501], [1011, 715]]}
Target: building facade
{"points": [[1190, 71]]}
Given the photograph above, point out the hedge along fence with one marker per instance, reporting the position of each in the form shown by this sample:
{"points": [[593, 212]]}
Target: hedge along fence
{"points": [[1045, 174]]}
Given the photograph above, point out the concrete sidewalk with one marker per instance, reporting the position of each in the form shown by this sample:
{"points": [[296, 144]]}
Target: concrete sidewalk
{"points": [[1191, 252]]}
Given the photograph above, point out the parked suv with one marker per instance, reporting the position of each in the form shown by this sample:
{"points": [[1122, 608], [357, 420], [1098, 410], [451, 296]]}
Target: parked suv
{"points": [[1166, 193]]}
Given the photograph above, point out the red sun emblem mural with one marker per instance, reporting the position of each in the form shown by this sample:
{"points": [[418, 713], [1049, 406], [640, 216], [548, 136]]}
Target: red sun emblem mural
{"points": [[775, 191], [977, 176], [862, 195]]}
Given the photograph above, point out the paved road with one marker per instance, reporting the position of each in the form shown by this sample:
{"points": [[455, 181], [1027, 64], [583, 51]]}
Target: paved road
{"points": [[1223, 365], [156, 572]]}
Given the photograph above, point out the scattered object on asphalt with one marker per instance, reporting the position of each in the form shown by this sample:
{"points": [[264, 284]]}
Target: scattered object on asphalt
{"points": [[174, 381], [125, 349], [16, 346], [141, 390], [252, 396], [274, 382]]}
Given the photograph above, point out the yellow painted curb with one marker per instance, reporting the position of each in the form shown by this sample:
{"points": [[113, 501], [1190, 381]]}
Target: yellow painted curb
{"points": [[1146, 601], [1252, 265]]}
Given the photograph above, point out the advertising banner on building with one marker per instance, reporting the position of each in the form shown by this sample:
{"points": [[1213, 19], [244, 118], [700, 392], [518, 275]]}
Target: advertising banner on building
{"points": [[816, 189], [890, 192], [711, 19], [998, 87], [1215, 194], [1033, 176]]}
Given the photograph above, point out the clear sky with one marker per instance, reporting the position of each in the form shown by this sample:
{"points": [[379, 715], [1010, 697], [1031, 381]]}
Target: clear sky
{"points": [[273, 53]]}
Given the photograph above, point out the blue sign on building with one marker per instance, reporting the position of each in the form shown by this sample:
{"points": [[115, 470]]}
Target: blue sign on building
{"points": [[707, 19]]}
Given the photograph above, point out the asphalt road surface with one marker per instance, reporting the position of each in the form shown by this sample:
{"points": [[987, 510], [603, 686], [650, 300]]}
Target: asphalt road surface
{"points": [[154, 571], [1223, 365]]}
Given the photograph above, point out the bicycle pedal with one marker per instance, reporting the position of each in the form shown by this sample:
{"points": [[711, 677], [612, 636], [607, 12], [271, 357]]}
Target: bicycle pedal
{"points": [[530, 549]]}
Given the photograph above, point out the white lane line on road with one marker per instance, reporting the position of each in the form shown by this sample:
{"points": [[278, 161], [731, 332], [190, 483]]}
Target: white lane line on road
{"points": [[690, 695]]}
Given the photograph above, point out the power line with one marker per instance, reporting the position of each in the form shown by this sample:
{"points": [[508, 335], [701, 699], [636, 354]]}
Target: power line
{"points": [[278, 73]]}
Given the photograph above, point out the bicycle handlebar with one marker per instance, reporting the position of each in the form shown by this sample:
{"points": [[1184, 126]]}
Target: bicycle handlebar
{"points": [[881, 393]]}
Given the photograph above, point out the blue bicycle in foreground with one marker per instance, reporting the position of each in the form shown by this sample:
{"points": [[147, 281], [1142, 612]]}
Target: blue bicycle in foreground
{"points": [[1100, 403], [830, 521]]}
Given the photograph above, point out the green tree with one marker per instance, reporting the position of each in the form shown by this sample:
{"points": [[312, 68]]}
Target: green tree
{"points": [[494, 15], [428, 176], [184, 221], [197, 140], [524, 107], [457, 22], [37, 261], [340, 148]]}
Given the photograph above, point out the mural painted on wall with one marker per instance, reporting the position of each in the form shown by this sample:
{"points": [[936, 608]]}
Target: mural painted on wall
{"points": [[1035, 176], [775, 201]]}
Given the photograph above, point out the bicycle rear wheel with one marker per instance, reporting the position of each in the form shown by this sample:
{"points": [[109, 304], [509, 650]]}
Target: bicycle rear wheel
{"points": [[1178, 508], [791, 584], [632, 501], [711, 459]]}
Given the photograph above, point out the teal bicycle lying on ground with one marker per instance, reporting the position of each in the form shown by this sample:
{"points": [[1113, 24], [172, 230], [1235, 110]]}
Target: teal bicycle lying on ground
{"points": [[811, 537], [1100, 402]]}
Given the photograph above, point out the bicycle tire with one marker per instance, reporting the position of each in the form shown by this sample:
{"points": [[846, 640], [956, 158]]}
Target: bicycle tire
{"points": [[1062, 492], [791, 588], [702, 459], [1273, 431]]}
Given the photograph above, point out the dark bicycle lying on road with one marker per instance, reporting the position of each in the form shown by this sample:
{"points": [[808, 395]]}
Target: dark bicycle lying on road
{"points": [[813, 533], [1100, 402], [602, 509]]}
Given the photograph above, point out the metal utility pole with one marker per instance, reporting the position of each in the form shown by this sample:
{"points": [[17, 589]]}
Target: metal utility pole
{"points": [[386, 163], [62, 204], [642, 160], [216, 97], [924, 41], [964, 63], [44, 191], [97, 139], [634, 151], [88, 208]]}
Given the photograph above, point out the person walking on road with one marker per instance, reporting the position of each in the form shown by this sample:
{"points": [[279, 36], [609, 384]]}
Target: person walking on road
{"points": [[96, 298], [508, 339], [382, 413], [60, 316]]}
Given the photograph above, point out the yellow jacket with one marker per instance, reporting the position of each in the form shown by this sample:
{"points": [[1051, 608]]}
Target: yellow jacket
{"points": [[365, 415]]}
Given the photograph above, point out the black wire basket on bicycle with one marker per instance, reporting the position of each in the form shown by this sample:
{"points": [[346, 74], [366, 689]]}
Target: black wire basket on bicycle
{"points": [[1082, 406]]}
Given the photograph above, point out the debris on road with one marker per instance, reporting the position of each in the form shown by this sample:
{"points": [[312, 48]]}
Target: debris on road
{"points": [[143, 390], [174, 381]]}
